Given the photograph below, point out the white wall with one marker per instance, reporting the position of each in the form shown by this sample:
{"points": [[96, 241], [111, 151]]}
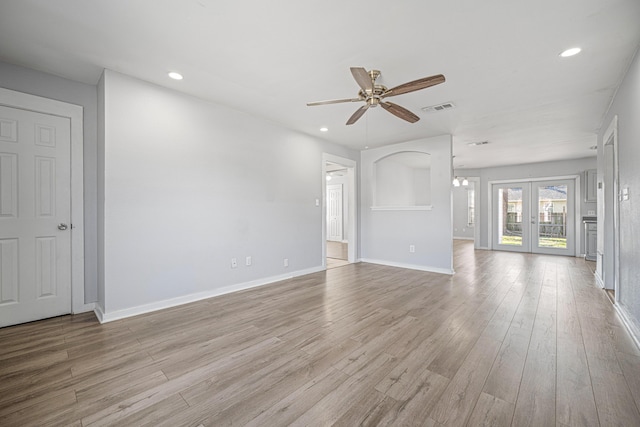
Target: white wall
{"points": [[189, 184], [387, 234], [48, 86], [461, 228], [525, 171], [626, 105]]}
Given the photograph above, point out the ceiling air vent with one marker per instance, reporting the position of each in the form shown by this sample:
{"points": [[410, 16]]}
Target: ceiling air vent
{"points": [[439, 107]]}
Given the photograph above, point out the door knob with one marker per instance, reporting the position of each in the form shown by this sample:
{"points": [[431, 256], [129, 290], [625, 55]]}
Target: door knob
{"points": [[62, 226]]}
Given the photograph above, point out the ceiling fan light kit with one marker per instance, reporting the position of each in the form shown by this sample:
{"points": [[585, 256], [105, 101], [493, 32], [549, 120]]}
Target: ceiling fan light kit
{"points": [[456, 182], [373, 94]]}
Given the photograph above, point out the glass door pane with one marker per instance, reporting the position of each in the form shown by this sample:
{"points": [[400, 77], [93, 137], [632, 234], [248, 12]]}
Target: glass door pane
{"points": [[554, 216], [511, 222]]}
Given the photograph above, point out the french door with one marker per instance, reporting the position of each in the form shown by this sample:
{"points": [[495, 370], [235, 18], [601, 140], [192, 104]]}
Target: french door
{"points": [[535, 216]]}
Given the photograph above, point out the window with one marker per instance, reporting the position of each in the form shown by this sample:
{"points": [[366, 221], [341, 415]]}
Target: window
{"points": [[471, 207]]}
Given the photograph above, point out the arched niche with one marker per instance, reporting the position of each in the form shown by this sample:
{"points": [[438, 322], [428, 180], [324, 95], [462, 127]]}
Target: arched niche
{"points": [[402, 181]]}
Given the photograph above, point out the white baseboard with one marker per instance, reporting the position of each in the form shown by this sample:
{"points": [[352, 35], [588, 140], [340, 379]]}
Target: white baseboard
{"points": [[186, 299], [99, 312], [463, 238], [599, 280], [483, 248], [633, 329], [409, 266]]}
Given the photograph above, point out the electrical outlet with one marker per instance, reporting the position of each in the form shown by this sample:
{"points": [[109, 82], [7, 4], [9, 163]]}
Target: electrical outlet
{"points": [[234, 262], [286, 262], [412, 248], [591, 213], [248, 261]]}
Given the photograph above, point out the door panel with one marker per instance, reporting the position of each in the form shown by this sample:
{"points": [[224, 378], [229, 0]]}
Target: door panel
{"points": [[535, 217], [554, 217], [35, 180], [334, 212], [510, 213]]}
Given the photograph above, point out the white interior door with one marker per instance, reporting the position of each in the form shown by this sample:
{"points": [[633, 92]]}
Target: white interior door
{"points": [[35, 210], [536, 217], [334, 212]]}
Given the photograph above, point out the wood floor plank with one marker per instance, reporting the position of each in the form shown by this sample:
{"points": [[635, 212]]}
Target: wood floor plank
{"points": [[536, 403], [510, 339], [575, 404], [460, 396], [292, 406], [491, 412]]}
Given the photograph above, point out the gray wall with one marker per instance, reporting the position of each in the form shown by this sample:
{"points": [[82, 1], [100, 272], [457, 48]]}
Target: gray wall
{"points": [[525, 171], [387, 234], [46, 85], [626, 105], [189, 184]]}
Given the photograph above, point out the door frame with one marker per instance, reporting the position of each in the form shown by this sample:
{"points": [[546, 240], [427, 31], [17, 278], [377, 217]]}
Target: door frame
{"points": [[577, 210], [13, 99], [610, 137], [352, 213]]}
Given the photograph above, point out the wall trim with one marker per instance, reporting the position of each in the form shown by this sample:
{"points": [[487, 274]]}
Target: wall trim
{"points": [[634, 331], [74, 113], [409, 266], [599, 280], [186, 299]]}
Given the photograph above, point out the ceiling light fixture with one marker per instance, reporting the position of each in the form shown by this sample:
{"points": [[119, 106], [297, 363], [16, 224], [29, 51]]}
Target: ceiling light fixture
{"points": [[593, 147], [456, 182], [478, 143], [324, 129], [570, 52], [175, 76], [328, 177]]}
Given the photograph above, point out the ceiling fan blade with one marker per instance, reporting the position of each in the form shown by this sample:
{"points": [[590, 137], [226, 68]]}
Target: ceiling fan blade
{"points": [[333, 101], [399, 111], [362, 78], [359, 112], [422, 83]]}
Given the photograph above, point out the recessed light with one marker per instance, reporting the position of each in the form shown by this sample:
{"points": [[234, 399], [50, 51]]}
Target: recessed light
{"points": [[324, 129], [570, 52], [175, 76], [478, 143], [366, 147]]}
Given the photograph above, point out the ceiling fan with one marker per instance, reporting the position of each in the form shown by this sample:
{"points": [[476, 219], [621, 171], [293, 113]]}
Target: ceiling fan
{"points": [[373, 94]]}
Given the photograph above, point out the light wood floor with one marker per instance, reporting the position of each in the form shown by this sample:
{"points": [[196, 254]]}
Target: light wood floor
{"points": [[511, 339], [337, 250]]}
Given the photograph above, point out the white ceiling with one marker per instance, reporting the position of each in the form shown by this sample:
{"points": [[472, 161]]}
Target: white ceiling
{"points": [[500, 58]]}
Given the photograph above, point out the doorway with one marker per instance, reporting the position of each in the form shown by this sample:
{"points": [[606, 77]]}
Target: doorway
{"points": [[534, 216], [607, 258], [339, 211]]}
